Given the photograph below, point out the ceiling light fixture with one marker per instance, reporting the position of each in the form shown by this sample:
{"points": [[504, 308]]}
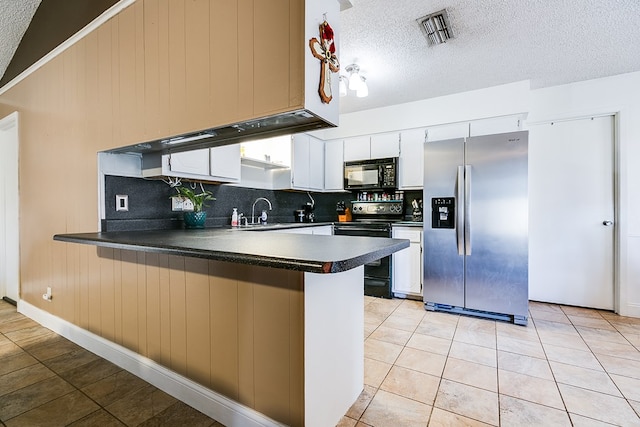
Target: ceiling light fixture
{"points": [[354, 82], [436, 27]]}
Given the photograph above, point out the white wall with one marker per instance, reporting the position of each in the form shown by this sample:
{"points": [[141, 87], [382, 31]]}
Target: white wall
{"points": [[618, 94], [9, 230]]}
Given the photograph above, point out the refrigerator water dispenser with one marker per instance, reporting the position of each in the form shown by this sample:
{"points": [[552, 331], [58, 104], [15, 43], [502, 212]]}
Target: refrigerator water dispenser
{"points": [[443, 210]]}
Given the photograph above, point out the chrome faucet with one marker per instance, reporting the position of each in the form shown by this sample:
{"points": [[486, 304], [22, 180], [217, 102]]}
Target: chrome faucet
{"points": [[242, 217], [253, 208]]}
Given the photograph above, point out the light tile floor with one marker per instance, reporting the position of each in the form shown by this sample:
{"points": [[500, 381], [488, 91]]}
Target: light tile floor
{"points": [[569, 366]]}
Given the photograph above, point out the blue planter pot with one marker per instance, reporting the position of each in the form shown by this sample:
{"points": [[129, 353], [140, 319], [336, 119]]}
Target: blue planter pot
{"points": [[194, 219]]}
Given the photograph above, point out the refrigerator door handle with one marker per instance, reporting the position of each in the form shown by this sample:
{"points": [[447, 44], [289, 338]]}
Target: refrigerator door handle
{"points": [[460, 219], [467, 200]]}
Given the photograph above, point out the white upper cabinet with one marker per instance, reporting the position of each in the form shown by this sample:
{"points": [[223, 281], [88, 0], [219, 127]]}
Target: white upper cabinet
{"points": [[219, 164], [411, 161], [300, 164], [357, 148], [225, 163], [448, 131], [333, 165], [316, 164], [385, 145], [495, 125], [307, 168], [194, 162], [376, 146]]}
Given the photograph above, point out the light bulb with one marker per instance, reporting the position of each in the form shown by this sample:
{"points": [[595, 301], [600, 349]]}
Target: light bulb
{"points": [[354, 80], [343, 86], [363, 90]]}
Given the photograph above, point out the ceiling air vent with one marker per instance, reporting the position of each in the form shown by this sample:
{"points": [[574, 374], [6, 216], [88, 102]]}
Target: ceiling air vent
{"points": [[436, 27]]}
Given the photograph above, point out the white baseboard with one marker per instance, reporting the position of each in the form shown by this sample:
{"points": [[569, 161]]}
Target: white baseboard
{"points": [[631, 309], [214, 405]]}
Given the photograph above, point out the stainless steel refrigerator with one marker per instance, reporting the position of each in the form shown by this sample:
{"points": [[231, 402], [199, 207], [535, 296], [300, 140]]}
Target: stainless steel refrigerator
{"points": [[476, 233]]}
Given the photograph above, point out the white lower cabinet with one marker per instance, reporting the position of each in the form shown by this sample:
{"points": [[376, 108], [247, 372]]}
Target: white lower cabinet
{"points": [[407, 263], [324, 230]]}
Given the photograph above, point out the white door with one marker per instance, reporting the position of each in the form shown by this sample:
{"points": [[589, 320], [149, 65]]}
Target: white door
{"points": [[9, 226], [571, 212]]}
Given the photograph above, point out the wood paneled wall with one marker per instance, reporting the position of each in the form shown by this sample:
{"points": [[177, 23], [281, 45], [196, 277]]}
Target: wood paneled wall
{"points": [[160, 67]]}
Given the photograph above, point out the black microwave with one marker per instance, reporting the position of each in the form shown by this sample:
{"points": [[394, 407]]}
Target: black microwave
{"points": [[375, 174]]}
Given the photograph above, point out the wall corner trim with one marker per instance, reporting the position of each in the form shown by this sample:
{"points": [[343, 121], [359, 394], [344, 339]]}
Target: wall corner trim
{"points": [[213, 404]]}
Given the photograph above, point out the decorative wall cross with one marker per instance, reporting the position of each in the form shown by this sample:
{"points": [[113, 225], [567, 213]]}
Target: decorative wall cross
{"points": [[325, 50]]}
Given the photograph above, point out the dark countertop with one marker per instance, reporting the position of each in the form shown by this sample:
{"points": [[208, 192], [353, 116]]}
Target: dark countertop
{"points": [[303, 252]]}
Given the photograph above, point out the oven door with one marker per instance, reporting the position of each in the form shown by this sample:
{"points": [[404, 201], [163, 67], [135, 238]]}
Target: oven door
{"points": [[377, 274]]}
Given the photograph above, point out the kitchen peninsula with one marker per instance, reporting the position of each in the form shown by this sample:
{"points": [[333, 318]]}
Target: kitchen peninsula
{"points": [[276, 319]]}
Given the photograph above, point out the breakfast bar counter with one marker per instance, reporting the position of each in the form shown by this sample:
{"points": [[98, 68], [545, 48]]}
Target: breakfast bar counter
{"points": [[270, 324], [310, 253]]}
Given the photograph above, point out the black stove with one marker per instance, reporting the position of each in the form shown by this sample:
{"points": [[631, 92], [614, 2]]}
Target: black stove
{"points": [[374, 219]]}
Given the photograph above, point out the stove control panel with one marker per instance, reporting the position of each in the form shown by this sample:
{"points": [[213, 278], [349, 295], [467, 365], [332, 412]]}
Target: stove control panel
{"points": [[377, 208]]}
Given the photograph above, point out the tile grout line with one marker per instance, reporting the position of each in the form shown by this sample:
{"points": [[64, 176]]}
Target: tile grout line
{"points": [[75, 388], [56, 374]]}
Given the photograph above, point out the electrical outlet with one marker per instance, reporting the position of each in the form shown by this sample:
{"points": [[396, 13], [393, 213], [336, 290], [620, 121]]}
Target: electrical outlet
{"points": [[187, 205], [177, 203], [47, 296], [122, 203]]}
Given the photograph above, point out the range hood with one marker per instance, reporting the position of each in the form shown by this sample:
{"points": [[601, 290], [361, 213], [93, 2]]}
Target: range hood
{"points": [[266, 127]]}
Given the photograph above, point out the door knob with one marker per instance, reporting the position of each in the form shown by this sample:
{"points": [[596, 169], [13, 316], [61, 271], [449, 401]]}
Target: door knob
{"points": [[607, 223]]}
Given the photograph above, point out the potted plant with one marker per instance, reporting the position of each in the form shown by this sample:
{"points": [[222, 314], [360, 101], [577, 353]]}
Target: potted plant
{"points": [[197, 217]]}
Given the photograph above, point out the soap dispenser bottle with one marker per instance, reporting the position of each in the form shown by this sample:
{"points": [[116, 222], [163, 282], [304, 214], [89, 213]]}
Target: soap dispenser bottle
{"points": [[234, 217], [263, 218]]}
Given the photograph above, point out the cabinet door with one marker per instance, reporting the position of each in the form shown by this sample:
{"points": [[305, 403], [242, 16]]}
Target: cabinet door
{"points": [[385, 145], [333, 165], [324, 230], [225, 162], [300, 161], [194, 162], [411, 161], [357, 148], [495, 125], [407, 263], [315, 164], [450, 131]]}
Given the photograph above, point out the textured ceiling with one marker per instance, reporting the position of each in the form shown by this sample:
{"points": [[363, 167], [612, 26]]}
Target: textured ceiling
{"points": [[548, 42], [15, 16]]}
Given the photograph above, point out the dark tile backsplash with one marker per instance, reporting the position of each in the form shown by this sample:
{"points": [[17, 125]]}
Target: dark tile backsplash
{"points": [[150, 204]]}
